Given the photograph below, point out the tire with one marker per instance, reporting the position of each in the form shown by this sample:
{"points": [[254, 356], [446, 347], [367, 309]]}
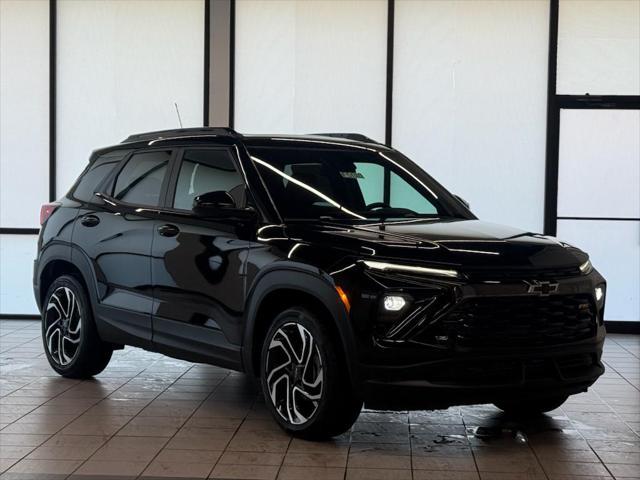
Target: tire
{"points": [[299, 350], [69, 334], [533, 407]]}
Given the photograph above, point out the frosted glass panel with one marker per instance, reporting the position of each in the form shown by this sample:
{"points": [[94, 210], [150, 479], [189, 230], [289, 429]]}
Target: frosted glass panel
{"points": [[599, 163], [311, 66], [24, 111], [121, 68], [470, 93], [17, 253], [599, 47], [614, 248]]}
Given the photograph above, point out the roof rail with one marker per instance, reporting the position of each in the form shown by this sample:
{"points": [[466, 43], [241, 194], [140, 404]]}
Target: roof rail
{"points": [[182, 132], [348, 136]]}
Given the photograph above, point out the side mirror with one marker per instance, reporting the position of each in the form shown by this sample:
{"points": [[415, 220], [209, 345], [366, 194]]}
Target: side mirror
{"points": [[221, 205], [462, 201], [211, 203]]}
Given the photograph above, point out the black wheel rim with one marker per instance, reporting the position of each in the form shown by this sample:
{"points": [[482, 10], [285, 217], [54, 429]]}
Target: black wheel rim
{"points": [[62, 326], [294, 373]]}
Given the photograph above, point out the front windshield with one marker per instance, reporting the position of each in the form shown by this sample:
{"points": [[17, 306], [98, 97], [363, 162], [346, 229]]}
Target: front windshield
{"points": [[343, 183]]}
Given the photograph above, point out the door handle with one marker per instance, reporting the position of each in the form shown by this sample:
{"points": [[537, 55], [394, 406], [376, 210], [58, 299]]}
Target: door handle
{"points": [[89, 220], [168, 230]]}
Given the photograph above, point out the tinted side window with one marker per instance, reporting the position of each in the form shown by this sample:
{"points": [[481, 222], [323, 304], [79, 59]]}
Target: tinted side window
{"points": [[140, 181], [88, 182], [207, 170]]}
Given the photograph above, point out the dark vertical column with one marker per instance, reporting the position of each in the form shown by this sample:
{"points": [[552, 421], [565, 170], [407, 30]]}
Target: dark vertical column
{"points": [[207, 62], [553, 128], [232, 62], [220, 62], [53, 42], [388, 121]]}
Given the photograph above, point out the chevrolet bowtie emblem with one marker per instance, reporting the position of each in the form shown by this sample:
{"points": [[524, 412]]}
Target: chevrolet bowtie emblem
{"points": [[542, 288]]}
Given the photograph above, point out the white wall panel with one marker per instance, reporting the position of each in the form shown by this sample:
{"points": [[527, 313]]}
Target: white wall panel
{"points": [[599, 163], [121, 67], [614, 248], [24, 111], [599, 47], [310, 66], [470, 101], [17, 253]]}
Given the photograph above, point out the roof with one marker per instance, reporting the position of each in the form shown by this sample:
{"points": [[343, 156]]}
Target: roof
{"points": [[203, 132], [181, 132]]}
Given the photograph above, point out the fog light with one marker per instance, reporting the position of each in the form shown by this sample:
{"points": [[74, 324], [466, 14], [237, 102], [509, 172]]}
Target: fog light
{"points": [[599, 292], [394, 303]]}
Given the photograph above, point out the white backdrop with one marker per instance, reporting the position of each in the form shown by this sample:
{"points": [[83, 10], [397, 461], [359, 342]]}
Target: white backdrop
{"points": [[304, 67], [599, 176], [599, 47], [24, 142], [16, 261], [470, 82], [24, 111]]}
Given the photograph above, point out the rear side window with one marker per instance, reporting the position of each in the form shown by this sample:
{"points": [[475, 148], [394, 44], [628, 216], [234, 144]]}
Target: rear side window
{"points": [[97, 171], [140, 180], [207, 170]]}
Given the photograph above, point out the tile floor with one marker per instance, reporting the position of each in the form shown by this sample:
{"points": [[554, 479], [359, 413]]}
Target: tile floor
{"points": [[149, 416]]}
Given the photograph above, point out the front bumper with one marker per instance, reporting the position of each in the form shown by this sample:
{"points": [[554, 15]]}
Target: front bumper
{"points": [[473, 340], [487, 377]]}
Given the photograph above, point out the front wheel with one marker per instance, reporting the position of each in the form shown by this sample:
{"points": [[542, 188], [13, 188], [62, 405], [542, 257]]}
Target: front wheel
{"points": [[531, 407], [304, 379], [71, 341]]}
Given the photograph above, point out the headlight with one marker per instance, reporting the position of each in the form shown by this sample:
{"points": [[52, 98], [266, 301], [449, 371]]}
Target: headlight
{"points": [[395, 267], [394, 303], [586, 267]]}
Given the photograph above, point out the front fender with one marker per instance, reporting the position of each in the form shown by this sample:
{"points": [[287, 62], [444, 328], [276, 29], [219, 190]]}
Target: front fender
{"points": [[312, 282]]}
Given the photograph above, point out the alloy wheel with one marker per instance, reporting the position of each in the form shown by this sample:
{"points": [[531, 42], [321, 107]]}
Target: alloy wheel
{"points": [[62, 324], [294, 373]]}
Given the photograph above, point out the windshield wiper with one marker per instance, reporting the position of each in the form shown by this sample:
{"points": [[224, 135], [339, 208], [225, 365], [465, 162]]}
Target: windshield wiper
{"points": [[388, 212]]}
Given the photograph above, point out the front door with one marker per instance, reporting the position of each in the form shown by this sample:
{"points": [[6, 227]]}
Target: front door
{"points": [[198, 265]]}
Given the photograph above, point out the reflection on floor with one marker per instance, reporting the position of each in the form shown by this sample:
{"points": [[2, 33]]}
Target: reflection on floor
{"points": [[151, 416]]}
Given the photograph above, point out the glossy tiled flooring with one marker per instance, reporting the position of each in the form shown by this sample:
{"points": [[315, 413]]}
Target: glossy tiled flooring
{"points": [[150, 416]]}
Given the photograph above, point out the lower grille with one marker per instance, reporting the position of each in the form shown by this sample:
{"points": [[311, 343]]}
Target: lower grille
{"points": [[515, 321]]}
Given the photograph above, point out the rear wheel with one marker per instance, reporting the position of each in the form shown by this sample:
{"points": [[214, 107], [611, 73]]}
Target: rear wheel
{"points": [[71, 341], [531, 407], [304, 379]]}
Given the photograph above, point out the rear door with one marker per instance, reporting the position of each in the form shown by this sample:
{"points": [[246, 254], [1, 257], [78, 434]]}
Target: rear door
{"points": [[115, 236], [198, 266]]}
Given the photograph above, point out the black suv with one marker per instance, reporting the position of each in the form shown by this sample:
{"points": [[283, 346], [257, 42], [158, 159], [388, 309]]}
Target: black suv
{"points": [[329, 266]]}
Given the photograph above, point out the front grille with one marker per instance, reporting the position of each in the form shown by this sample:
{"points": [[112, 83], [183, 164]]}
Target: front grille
{"points": [[520, 273], [515, 321]]}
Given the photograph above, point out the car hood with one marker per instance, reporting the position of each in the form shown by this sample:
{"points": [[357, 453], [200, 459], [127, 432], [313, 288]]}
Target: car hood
{"points": [[470, 243]]}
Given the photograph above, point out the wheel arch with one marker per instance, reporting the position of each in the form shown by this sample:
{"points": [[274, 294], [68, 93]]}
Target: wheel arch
{"points": [[275, 290], [53, 263], [54, 269]]}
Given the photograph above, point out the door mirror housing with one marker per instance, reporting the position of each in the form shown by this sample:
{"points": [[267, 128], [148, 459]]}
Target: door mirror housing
{"points": [[211, 204], [462, 201], [220, 204]]}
